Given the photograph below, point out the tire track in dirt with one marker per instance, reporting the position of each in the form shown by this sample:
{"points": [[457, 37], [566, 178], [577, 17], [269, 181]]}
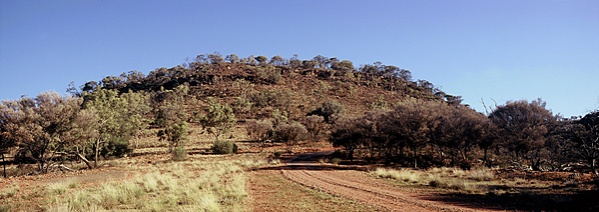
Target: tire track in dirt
{"points": [[355, 185]]}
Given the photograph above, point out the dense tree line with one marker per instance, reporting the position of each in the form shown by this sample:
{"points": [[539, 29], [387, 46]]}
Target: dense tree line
{"points": [[416, 130], [435, 133]]}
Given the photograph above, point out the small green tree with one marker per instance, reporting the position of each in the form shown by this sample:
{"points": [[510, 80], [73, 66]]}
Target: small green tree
{"points": [[170, 105], [175, 133], [218, 118], [330, 111], [120, 117]]}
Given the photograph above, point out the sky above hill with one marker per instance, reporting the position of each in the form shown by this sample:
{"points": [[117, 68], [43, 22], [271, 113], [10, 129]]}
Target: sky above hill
{"points": [[491, 50]]}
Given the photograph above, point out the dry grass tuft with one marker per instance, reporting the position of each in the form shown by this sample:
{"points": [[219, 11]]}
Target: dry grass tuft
{"points": [[180, 186], [470, 181], [9, 191], [481, 174], [59, 188], [409, 176]]}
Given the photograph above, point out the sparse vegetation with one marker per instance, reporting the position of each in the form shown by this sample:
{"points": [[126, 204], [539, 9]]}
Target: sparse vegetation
{"points": [[470, 181], [9, 191], [203, 186], [375, 114]]}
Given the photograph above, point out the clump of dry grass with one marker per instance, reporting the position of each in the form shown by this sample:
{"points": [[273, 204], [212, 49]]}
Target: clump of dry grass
{"points": [[9, 191], [61, 187], [181, 186], [409, 176], [481, 174], [446, 178]]}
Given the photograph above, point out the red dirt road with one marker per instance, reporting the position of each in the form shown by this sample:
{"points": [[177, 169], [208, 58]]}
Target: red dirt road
{"points": [[358, 186]]}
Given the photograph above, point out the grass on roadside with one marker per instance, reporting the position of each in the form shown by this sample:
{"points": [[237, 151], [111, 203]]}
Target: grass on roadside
{"points": [[9, 191], [182, 186], [472, 181]]}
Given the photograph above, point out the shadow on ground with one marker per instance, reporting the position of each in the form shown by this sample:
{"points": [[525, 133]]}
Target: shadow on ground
{"points": [[526, 201]]}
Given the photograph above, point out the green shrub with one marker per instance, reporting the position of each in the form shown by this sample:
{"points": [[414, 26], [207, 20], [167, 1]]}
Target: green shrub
{"points": [[117, 147], [330, 111], [270, 75], [241, 106], [291, 133], [224, 147], [277, 154], [336, 160], [271, 98], [259, 130], [179, 154]]}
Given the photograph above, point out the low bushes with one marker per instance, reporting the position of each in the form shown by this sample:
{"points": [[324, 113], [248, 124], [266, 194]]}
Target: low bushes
{"points": [[282, 131], [179, 154], [259, 130], [224, 147], [290, 133]]}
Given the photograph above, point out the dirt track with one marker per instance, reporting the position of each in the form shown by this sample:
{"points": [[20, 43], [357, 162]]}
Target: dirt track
{"points": [[357, 185]]}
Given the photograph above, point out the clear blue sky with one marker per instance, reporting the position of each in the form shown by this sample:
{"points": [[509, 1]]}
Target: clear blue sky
{"points": [[501, 50]]}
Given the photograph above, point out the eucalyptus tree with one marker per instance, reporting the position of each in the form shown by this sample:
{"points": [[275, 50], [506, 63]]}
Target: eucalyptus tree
{"points": [[586, 140], [277, 61], [232, 58], [413, 122], [216, 58], [217, 119], [43, 127], [171, 116], [459, 131], [261, 59], [523, 128], [120, 117]]}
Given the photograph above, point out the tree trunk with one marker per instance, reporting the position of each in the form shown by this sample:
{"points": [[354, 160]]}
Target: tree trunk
{"points": [[594, 168], [415, 160], [350, 153], [89, 165], [485, 158], [536, 165], [4, 164], [97, 153]]}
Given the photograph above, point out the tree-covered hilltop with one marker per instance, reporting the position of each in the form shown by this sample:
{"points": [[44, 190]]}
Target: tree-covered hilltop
{"points": [[297, 83], [376, 113]]}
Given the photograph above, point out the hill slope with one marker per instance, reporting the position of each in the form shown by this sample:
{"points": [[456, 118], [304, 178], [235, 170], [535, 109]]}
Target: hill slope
{"points": [[294, 86]]}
